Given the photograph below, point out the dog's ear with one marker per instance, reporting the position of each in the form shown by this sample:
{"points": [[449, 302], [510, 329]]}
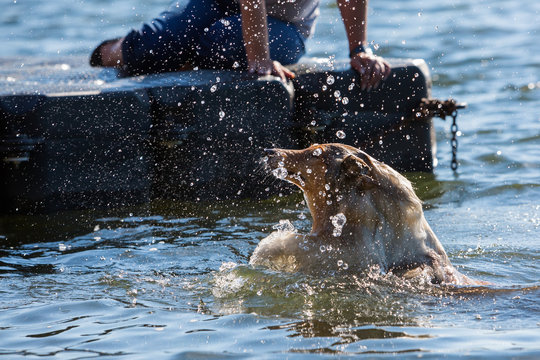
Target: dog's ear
{"points": [[357, 170]]}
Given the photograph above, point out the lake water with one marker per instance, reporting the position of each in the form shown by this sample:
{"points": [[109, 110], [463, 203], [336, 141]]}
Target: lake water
{"points": [[171, 280]]}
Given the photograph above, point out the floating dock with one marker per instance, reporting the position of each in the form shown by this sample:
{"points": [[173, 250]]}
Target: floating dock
{"points": [[73, 137]]}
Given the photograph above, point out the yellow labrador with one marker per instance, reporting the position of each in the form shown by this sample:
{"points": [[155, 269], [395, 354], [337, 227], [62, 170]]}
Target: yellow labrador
{"points": [[365, 214]]}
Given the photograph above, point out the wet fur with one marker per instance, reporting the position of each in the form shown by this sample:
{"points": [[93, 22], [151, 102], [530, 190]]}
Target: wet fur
{"points": [[385, 226]]}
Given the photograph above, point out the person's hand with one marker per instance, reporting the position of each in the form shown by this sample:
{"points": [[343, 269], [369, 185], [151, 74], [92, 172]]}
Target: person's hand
{"points": [[269, 67], [372, 69]]}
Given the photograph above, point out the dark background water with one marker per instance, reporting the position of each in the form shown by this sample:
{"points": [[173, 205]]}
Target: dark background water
{"points": [[171, 280]]}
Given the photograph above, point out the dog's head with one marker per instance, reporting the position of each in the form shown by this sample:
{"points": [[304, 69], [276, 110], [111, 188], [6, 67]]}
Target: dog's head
{"points": [[339, 177]]}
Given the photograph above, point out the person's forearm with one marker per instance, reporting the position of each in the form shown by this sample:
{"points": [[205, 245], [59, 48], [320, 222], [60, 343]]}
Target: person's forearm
{"points": [[255, 31], [354, 14]]}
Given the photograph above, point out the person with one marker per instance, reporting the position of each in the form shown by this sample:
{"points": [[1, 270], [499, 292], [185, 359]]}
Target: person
{"points": [[260, 36]]}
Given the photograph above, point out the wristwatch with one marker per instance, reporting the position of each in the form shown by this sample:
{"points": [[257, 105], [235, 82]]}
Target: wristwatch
{"points": [[360, 49]]}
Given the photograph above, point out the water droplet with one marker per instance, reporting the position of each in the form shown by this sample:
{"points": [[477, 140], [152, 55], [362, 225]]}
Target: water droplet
{"points": [[322, 248], [345, 100], [337, 94], [327, 186], [340, 263], [340, 134], [338, 221], [213, 88], [284, 226], [351, 87], [330, 80], [221, 114], [259, 292], [313, 123], [309, 171], [317, 152], [280, 173]]}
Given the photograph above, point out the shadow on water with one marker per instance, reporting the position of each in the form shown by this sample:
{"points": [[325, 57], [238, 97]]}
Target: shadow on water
{"points": [[17, 229], [343, 336]]}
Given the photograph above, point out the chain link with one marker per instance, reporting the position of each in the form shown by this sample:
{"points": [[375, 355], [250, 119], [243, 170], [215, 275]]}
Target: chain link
{"points": [[454, 142]]}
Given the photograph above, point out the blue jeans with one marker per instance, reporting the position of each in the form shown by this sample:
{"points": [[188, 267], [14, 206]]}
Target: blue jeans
{"points": [[204, 33]]}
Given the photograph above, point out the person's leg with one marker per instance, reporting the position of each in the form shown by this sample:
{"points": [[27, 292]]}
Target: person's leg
{"points": [[222, 46], [167, 42]]}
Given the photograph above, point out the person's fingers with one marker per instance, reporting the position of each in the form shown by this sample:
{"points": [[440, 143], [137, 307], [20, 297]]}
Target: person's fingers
{"points": [[288, 73], [357, 65], [387, 69], [376, 76], [282, 72], [277, 71], [366, 78], [372, 70]]}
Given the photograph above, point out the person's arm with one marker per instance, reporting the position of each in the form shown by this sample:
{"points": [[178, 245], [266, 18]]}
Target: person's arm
{"points": [[255, 34], [372, 68]]}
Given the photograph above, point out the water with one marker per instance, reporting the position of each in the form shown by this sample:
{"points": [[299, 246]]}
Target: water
{"points": [[171, 280]]}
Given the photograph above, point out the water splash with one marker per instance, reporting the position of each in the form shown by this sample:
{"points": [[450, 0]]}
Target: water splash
{"points": [[280, 173], [338, 221], [284, 226]]}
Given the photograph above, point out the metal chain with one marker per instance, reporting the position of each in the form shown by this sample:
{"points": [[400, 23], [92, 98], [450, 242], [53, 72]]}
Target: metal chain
{"points": [[429, 108], [454, 142]]}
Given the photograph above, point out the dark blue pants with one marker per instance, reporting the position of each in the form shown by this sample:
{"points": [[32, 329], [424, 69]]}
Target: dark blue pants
{"points": [[203, 33]]}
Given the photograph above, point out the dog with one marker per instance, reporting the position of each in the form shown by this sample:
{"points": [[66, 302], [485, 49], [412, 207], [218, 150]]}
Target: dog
{"points": [[365, 215]]}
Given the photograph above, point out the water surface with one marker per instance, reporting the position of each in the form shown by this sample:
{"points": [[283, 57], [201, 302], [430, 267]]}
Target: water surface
{"points": [[171, 280]]}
